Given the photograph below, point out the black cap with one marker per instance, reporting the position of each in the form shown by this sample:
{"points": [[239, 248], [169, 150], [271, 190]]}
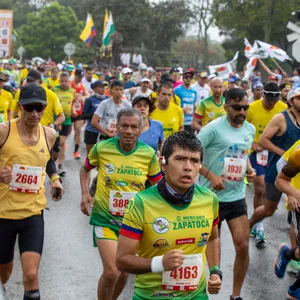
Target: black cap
{"points": [[79, 73], [139, 98], [34, 75], [174, 70], [98, 83], [166, 77], [32, 93]]}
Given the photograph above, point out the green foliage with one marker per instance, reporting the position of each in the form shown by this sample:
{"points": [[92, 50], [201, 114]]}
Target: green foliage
{"points": [[46, 33]]}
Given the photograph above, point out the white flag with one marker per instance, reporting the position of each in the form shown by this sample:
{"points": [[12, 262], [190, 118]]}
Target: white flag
{"points": [[274, 51]]}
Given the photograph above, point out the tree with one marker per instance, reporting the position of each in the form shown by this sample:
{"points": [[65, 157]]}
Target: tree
{"points": [[46, 33]]}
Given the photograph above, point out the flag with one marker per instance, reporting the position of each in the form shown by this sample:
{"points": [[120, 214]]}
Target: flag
{"points": [[108, 31], [274, 51], [89, 31], [250, 66], [225, 69], [254, 50]]}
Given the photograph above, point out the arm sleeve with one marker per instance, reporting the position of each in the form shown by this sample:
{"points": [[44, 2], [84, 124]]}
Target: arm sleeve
{"points": [[132, 224], [154, 173]]}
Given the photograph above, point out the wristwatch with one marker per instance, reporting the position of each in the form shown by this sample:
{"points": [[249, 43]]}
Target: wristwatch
{"points": [[217, 272]]}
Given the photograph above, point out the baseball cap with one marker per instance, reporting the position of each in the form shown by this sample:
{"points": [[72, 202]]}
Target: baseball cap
{"points": [[272, 77], [79, 73], [212, 76], [203, 74], [98, 83], [3, 77], [174, 70], [126, 71], [293, 93], [285, 85], [189, 71], [257, 85], [70, 68], [145, 79], [32, 93], [34, 75], [232, 79], [139, 98], [166, 77]]}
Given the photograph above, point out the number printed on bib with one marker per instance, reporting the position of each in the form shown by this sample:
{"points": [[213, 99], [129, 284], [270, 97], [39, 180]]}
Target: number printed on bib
{"points": [[26, 179], [185, 278], [112, 125], [189, 108], [262, 157], [118, 202], [234, 168]]}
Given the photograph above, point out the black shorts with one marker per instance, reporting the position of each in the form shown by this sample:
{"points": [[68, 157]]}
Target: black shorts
{"points": [[272, 192], [66, 130], [56, 147], [30, 232], [90, 138], [232, 210]]}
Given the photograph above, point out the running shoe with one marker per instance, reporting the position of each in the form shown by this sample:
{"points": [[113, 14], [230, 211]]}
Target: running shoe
{"points": [[253, 231], [76, 155], [294, 266], [293, 295], [281, 262], [61, 171], [236, 298], [260, 237]]}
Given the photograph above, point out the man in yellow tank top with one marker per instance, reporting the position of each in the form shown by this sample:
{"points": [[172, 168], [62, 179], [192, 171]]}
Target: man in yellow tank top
{"points": [[22, 192]]}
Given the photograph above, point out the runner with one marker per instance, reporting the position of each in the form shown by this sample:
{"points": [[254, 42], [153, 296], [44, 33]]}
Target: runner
{"points": [[171, 261], [153, 131], [91, 134], [6, 102], [227, 143], [284, 89], [156, 82], [66, 96], [22, 192], [257, 90], [169, 114], [201, 86], [288, 182], [280, 134], [188, 97], [127, 74], [124, 164], [259, 115], [53, 80], [78, 103], [142, 90], [88, 79], [210, 108]]}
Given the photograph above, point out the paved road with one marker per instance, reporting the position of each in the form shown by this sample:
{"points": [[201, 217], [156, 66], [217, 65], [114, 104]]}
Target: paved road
{"points": [[71, 266]]}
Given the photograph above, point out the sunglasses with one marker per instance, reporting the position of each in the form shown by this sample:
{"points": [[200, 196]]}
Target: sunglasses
{"points": [[269, 93], [31, 107], [237, 107], [188, 77]]}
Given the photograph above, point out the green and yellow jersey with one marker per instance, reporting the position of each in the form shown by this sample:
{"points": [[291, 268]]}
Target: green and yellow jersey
{"points": [[120, 176], [161, 226]]}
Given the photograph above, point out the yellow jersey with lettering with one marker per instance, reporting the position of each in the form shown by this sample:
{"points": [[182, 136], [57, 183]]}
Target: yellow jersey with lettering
{"points": [[258, 116], [161, 226], [51, 83], [6, 104], [66, 98], [172, 118], [24, 196], [52, 109], [120, 176], [209, 110]]}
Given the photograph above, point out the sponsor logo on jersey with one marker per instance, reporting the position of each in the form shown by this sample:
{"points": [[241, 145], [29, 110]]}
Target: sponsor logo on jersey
{"points": [[161, 225], [161, 244], [109, 169], [203, 239], [121, 183], [185, 241]]}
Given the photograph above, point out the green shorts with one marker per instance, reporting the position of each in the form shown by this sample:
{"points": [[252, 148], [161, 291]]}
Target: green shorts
{"points": [[104, 233]]}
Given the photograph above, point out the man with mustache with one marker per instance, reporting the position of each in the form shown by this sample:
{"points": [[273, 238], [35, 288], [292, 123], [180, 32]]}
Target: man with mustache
{"points": [[227, 142]]}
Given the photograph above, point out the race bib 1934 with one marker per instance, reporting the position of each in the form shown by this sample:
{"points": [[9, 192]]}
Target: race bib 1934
{"points": [[26, 179]]}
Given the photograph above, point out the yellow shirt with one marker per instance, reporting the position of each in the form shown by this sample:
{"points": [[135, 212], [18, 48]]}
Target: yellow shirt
{"points": [[20, 204], [53, 107], [6, 104], [258, 116], [23, 74], [50, 83], [171, 119]]}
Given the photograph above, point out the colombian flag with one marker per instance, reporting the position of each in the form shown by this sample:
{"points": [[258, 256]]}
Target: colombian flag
{"points": [[89, 31]]}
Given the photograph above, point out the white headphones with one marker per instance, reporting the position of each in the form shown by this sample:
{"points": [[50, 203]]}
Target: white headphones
{"points": [[163, 161]]}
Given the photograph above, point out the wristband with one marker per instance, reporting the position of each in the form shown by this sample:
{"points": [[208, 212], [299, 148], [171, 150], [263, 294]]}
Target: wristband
{"points": [[54, 177], [217, 272], [214, 268], [157, 264]]}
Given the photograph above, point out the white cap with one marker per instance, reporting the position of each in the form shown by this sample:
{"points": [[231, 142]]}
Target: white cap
{"points": [[142, 66], [150, 69], [59, 66], [126, 71], [212, 76], [293, 93], [145, 79]]}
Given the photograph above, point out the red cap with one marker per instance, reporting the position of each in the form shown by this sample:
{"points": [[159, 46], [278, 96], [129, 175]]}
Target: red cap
{"points": [[272, 77]]}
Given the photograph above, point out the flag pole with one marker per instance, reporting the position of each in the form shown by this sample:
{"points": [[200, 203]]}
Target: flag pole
{"points": [[278, 66]]}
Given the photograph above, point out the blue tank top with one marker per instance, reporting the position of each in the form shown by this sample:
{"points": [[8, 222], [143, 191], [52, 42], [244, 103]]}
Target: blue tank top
{"points": [[285, 142]]}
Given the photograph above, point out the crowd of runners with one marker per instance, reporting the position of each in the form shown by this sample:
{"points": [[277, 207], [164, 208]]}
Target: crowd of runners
{"points": [[174, 152]]}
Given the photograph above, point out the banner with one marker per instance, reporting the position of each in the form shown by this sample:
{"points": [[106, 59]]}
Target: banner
{"points": [[224, 70], [6, 30]]}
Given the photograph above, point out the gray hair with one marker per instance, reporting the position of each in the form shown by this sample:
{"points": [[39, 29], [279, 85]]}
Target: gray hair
{"points": [[130, 112]]}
